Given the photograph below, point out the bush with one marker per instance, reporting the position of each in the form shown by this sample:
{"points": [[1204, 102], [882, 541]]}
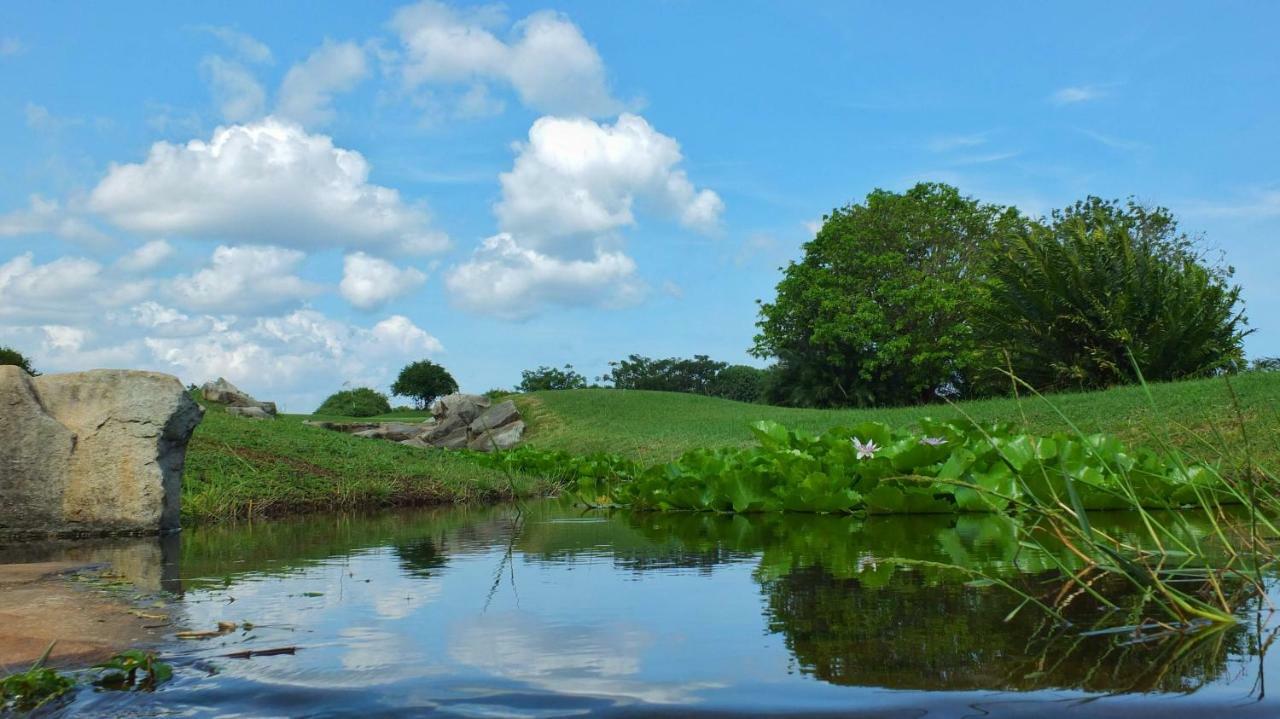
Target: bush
{"points": [[694, 376], [545, 378], [741, 383], [423, 381], [14, 357], [880, 310], [1072, 298], [358, 402]]}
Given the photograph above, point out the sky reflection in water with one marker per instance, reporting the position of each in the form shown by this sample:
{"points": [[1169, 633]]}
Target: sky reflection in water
{"points": [[552, 612]]}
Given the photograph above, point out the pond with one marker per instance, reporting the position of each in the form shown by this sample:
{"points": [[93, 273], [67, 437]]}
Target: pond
{"points": [[548, 611]]}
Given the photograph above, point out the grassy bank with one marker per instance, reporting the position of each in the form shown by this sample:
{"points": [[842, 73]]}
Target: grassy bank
{"points": [[1199, 416], [241, 467]]}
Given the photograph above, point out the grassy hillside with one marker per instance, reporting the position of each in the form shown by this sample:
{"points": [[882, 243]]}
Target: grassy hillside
{"points": [[240, 467], [657, 426]]}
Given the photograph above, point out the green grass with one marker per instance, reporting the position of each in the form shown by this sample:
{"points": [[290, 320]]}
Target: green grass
{"points": [[658, 426], [240, 467]]}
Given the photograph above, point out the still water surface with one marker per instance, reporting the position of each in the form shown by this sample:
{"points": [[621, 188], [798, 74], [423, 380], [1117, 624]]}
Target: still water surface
{"points": [[551, 612]]}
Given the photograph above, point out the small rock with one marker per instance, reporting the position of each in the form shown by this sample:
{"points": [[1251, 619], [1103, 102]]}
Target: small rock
{"points": [[415, 442], [221, 391], [249, 412], [466, 406], [456, 440], [504, 437]]}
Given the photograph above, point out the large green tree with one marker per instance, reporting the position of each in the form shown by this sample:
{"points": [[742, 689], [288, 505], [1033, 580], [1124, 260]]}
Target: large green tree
{"points": [[423, 381], [1077, 299], [9, 356], [881, 309]]}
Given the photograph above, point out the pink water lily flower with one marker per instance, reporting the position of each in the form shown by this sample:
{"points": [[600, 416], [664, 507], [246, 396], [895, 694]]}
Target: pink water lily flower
{"points": [[933, 441], [865, 450]]}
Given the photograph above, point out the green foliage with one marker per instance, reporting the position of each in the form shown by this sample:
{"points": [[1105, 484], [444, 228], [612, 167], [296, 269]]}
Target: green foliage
{"points": [[881, 309], [9, 356], [32, 689], [550, 378], [740, 383], [946, 467], [1265, 364], [498, 394], [673, 374], [1071, 298], [133, 670], [423, 381], [358, 402]]}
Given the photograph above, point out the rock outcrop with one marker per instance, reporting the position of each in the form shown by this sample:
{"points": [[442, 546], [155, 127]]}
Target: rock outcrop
{"points": [[461, 421], [220, 391], [97, 452]]}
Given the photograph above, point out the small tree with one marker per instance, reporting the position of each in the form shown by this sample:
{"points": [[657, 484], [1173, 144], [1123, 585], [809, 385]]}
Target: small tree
{"points": [[1077, 300], [423, 381], [544, 378], [358, 402], [672, 374], [741, 383], [14, 357]]}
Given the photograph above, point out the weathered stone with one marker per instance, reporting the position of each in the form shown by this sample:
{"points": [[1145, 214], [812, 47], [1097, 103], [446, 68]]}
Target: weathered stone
{"points": [[346, 427], [415, 442], [504, 437], [496, 416], [444, 428], [456, 440], [115, 466], [466, 406], [250, 412], [221, 391]]}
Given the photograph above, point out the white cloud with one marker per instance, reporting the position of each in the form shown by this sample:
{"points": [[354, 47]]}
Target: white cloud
{"points": [[40, 119], [548, 62], [244, 280], [575, 177], [236, 91], [266, 182], [10, 46], [49, 216], [513, 282], [245, 46], [306, 95], [947, 143], [1260, 203], [27, 286], [146, 257], [1077, 94], [369, 282]]}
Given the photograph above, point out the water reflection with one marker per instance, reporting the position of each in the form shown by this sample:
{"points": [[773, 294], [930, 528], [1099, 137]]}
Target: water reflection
{"points": [[552, 611]]}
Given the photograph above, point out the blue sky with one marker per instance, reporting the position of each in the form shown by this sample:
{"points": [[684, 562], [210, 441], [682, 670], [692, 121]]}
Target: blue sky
{"points": [[302, 195]]}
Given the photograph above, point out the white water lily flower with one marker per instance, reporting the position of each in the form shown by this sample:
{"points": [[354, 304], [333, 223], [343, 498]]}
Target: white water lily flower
{"points": [[933, 441], [867, 450]]}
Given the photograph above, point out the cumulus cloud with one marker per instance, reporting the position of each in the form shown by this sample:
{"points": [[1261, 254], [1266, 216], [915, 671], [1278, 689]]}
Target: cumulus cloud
{"points": [[547, 61], [267, 182], [236, 91], [245, 46], [244, 280], [306, 95], [146, 257], [510, 281], [369, 282], [576, 177], [45, 216]]}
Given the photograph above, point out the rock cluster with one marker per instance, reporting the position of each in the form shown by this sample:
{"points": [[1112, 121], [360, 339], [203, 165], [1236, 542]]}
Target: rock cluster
{"points": [[97, 452], [238, 402], [461, 421]]}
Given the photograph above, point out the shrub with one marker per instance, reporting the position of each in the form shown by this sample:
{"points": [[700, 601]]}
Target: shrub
{"points": [[694, 376], [1265, 364], [423, 381], [358, 402], [1074, 297], [880, 310], [10, 356], [741, 383], [544, 378]]}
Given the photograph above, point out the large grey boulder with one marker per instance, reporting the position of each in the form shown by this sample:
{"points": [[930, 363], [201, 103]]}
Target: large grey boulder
{"points": [[499, 415], [466, 406], [394, 431], [504, 437], [220, 391], [96, 452]]}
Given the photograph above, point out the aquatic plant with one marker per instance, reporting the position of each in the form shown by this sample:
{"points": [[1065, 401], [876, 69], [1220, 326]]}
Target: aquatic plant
{"points": [[34, 688], [133, 670]]}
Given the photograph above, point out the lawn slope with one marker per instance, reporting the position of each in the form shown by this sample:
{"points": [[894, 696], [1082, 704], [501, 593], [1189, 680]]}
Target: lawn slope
{"points": [[239, 467], [1197, 415]]}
